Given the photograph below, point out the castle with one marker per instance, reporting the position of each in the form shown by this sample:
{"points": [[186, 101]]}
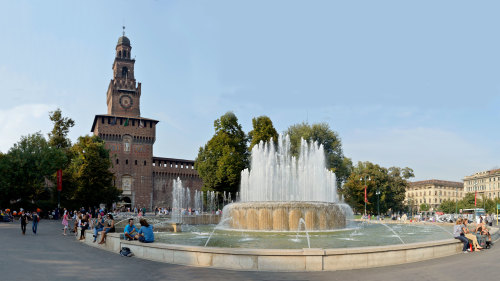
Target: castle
{"points": [[145, 180]]}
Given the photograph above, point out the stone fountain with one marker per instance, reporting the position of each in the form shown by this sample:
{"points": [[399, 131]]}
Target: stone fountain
{"points": [[280, 189]]}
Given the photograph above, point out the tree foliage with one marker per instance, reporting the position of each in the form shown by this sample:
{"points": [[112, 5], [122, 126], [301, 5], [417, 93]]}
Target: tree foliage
{"points": [[88, 180], [322, 134], [58, 136], [221, 160], [448, 206], [263, 130], [25, 168], [391, 183], [424, 207]]}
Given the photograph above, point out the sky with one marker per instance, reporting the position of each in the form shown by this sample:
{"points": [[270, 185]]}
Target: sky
{"points": [[403, 83]]}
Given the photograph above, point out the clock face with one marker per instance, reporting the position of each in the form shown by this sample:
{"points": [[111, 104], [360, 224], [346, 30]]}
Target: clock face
{"points": [[126, 101]]}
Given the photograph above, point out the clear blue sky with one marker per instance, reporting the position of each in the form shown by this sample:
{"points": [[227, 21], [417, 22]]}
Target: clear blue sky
{"points": [[404, 83]]}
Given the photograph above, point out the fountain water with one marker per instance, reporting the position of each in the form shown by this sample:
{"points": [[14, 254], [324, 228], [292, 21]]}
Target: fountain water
{"points": [[279, 189], [302, 221], [212, 233], [392, 230]]}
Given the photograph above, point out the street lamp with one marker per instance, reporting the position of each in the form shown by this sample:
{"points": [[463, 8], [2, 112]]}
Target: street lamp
{"points": [[365, 178], [378, 202]]}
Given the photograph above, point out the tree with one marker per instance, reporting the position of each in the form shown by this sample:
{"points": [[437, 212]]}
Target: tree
{"points": [[30, 162], [424, 207], [391, 183], [58, 135], [263, 130], [220, 162], [332, 145], [448, 206], [89, 180]]}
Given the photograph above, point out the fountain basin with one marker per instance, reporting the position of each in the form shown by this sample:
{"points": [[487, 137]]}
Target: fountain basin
{"points": [[285, 216], [316, 259]]}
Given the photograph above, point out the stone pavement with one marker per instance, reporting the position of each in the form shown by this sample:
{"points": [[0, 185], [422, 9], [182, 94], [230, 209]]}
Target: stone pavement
{"points": [[51, 256]]}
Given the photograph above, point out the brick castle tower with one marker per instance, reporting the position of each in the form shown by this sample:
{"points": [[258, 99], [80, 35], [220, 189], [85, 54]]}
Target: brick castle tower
{"points": [[145, 181]]}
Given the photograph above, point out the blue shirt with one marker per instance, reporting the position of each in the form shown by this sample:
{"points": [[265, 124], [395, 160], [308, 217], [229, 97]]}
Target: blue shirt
{"points": [[129, 228], [148, 233]]}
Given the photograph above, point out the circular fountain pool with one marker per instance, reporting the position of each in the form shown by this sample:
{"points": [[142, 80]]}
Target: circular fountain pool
{"points": [[357, 234]]}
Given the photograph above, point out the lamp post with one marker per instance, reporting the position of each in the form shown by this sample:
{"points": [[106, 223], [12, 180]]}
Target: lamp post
{"points": [[378, 202], [364, 178]]}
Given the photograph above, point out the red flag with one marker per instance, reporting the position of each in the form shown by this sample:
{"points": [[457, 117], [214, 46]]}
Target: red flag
{"points": [[475, 199], [59, 180], [366, 200]]}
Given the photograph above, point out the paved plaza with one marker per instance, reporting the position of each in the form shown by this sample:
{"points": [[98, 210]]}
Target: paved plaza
{"points": [[51, 256]]}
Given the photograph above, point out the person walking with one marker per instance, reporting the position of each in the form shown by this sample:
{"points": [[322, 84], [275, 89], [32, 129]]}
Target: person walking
{"points": [[36, 218], [24, 222], [65, 221]]}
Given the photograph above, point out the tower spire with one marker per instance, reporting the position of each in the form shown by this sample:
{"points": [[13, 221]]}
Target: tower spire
{"points": [[123, 30]]}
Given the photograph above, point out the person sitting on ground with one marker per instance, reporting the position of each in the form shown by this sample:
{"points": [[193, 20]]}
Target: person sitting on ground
{"points": [[458, 234], [471, 236], [145, 234], [130, 229], [108, 229]]}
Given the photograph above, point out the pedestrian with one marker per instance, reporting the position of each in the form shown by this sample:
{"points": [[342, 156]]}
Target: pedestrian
{"points": [[65, 221], [24, 222], [36, 218]]}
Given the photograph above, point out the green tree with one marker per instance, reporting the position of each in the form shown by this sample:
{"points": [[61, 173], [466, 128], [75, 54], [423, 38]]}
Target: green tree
{"points": [[448, 206], [220, 162], [30, 162], [322, 134], [263, 130], [58, 136], [467, 202], [424, 207], [391, 184], [88, 178]]}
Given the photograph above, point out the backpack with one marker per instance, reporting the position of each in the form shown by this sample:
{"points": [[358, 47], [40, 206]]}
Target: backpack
{"points": [[125, 252]]}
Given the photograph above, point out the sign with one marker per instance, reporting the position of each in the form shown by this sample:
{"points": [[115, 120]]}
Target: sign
{"points": [[498, 206], [59, 180]]}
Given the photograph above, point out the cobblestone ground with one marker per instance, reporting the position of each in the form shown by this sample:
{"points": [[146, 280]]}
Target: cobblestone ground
{"points": [[51, 256]]}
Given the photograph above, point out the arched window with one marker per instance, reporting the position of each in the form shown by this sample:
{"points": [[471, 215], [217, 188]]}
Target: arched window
{"points": [[124, 54], [124, 71], [119, 54], [117, 161]]}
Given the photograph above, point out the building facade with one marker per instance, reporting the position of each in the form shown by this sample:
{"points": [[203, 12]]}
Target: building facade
{"points": [[145, 180], [487, 184], [433, 193]]}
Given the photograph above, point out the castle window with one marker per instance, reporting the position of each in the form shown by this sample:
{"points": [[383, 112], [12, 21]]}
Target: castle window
{"points": [[117, 161], [144, 163], [133, 122], [136, 162], [102, 120], [124, 71], [150, 124], [120, 54], [126, 162]]}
